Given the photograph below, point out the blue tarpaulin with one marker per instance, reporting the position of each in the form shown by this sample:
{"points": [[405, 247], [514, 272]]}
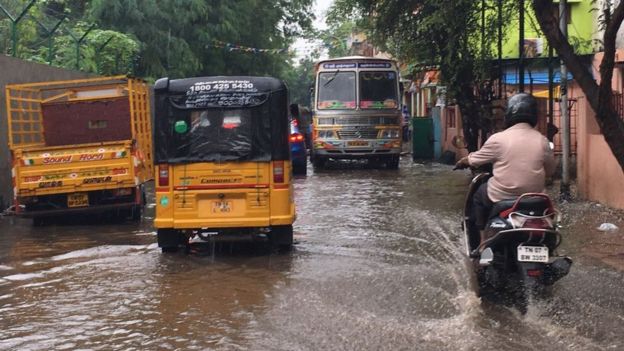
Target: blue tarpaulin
{"points": [[533, 77]]}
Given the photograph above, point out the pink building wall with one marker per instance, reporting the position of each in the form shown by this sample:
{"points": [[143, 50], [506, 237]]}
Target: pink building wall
{"points": [[599, 176]]}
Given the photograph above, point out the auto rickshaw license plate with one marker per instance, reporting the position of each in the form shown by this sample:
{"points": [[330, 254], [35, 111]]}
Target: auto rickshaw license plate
{"points": [[532, 254], [357, 143], [78, 200], [222, 207]]}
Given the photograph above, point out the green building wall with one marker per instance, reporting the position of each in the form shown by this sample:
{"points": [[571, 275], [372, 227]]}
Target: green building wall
{"points": [[581, 29]]}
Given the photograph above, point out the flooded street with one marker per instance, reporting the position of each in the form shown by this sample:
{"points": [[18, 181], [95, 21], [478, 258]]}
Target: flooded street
{"points": [[377, 265]]}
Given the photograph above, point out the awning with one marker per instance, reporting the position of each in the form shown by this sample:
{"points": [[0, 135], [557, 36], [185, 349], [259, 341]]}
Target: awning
{"points": [[543, 94], [533, 76]]}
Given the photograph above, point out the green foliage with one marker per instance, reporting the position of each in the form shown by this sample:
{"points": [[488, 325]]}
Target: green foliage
{"points": [[104, 52], [336, 35], [300, 78], [155, 38], [179, 35], [27, 32]]}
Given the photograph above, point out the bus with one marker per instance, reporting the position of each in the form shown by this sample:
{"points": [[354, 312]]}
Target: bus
{"points": [[356, 111]]}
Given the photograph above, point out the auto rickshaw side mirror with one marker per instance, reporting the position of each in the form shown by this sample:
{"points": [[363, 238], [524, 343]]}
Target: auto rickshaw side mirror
{"points": [[180, 127]]}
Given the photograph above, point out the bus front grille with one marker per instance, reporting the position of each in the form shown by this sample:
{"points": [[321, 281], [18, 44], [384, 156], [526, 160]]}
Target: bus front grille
{"points": [[368, 133]]}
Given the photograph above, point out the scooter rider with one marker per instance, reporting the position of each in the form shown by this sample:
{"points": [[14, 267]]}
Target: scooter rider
{"points": [[521, 158]]}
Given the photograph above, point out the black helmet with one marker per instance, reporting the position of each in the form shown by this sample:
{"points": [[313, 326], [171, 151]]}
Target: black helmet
{"points": [[521, 107]]}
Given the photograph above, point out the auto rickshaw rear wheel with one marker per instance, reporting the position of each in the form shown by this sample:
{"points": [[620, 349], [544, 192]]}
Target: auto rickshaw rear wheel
{"points": [[281, 237], [169, 240]]}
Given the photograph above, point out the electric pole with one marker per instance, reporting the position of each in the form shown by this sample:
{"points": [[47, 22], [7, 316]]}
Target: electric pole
{"points": [[565, 114]]}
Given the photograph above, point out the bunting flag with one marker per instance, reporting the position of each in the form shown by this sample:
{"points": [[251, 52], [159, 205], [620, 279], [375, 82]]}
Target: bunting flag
{"points": [[234, 47]]}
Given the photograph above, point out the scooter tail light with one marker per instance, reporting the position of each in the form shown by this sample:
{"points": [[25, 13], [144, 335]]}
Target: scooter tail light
{"points": [[536, 223], [534, 272], [278, 171], [163, 175]]}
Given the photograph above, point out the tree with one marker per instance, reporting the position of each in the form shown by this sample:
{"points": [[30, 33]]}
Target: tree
{"points": [[180, 36], [336, 35], [599, 95], [104, 52], [454, 35], [300, 79]]}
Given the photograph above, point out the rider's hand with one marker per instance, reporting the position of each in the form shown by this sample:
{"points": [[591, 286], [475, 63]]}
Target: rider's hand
{"points": [[462, 163]]}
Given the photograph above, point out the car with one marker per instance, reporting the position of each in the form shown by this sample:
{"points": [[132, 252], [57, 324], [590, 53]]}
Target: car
{"points": [[298, 149]]}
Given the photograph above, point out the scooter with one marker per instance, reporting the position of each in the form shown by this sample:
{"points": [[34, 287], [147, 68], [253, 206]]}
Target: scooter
{"points": [[518, 255]]}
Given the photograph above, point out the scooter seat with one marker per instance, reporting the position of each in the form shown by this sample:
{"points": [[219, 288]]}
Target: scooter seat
{"points": [[537, 205]]}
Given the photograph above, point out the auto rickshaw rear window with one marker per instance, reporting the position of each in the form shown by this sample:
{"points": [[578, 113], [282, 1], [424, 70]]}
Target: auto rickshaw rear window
{"points": [[221, 119]]}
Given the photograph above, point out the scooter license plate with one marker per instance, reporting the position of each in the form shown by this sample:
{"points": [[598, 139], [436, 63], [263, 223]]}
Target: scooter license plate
{"points": [[532, 254]]}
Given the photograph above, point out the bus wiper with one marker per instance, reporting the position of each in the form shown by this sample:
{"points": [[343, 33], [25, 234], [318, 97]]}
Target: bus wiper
{"points": [[331, 78]]}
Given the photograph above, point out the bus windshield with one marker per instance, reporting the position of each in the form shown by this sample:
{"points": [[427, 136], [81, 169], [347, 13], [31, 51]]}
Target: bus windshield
{"points": [[336, 90], [378, 90]]}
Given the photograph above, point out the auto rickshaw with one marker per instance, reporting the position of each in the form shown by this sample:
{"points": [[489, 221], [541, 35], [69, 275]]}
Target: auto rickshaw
{"points": [[223, 163]]}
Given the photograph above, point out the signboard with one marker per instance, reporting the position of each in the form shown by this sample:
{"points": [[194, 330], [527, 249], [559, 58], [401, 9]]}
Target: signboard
{"points": [[375, 65], [339, 65], [221, 93]]}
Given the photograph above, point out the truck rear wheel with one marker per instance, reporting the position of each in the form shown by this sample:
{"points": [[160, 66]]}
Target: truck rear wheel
{"points": [[137, 210]]}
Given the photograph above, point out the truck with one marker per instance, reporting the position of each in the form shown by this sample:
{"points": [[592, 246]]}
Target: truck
{"points": [[80, 146]]}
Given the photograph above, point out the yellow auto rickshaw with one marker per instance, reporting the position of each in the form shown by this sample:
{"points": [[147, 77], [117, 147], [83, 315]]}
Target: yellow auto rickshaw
{"points": [[222, 160]]}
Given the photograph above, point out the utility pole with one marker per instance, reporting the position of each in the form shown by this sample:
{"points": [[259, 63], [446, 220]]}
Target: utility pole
{"points": [[551, 71], [14, 22], [500, 48], [565, 115], [521, 48]]}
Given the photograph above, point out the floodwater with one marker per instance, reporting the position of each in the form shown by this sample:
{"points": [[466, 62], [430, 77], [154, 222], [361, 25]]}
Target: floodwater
{"points": [[377, 265]]}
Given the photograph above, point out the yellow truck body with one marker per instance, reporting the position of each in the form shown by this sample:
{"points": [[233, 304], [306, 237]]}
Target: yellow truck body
{"points": [[54, 174]]}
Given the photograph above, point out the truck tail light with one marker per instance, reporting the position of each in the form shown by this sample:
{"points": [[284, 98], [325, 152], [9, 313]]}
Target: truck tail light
{"points": [[278, 171], [163, 175]]}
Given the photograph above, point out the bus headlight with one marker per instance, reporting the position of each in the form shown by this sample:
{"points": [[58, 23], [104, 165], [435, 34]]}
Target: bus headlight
{"points": [[389, 134]]}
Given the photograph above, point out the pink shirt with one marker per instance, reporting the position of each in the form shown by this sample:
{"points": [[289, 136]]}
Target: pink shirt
{"points": [[522, 159]]}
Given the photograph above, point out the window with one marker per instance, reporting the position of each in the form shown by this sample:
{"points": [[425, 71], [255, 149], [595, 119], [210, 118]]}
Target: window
{"points": [[336, 90], [378, 90]]}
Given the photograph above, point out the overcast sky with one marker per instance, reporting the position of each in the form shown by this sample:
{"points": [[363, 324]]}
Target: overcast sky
{"points": [[304, 47]]}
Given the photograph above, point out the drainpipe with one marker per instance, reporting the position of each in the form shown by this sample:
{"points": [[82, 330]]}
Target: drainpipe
{"points": [[565, 116]]}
